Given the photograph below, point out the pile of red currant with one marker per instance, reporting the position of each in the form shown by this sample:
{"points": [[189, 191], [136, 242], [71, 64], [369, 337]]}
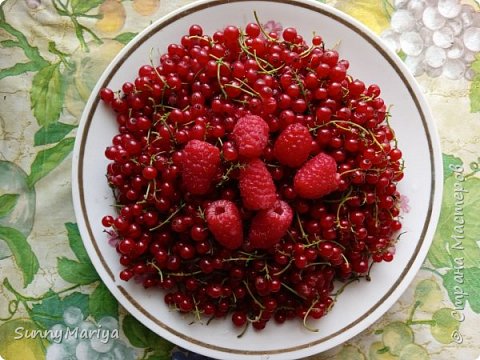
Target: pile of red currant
{"points": [[187, 127]]}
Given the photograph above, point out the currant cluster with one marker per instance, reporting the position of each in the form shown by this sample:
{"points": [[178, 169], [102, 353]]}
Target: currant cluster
{"points": [[251, 171]]}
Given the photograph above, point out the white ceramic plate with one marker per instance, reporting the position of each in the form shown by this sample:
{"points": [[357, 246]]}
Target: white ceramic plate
{"points": [[362, 303]]}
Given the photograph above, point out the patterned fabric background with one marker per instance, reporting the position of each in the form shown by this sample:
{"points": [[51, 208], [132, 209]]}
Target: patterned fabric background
{"points": [[51, 54]]}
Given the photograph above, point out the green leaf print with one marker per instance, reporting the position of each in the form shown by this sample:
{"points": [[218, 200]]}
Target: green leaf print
{"points": [[450, 163], [49, 159], [83, 6], [141, 337], [458, 225], [22, 252], [75, 9], [36, 62], [401, 55], [7, 203], [102, 303], [50, 310], [47, 94], [138, 335], [79, 300], [463, 285], [475, 87], [13, 180], [472, 288], [125, 37], [76, 272], [76, 244], [52, 133], [19, 68]]}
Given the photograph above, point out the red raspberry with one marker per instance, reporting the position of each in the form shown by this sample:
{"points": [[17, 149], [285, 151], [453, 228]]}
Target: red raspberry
{"points": [[269, 226], [317, 177], [201, 165], [293, 145], [225, 223], [256, 186], [250, 134]]}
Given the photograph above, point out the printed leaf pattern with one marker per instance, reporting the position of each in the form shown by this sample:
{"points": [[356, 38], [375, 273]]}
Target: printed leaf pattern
{"points": [[36, 62], [52, 133], [47, 94], [458, 224], [49, 159], [450, 163], [125, 38], [140, 336], [50, 311], [79, 272], [463, 285], [83, 6], [102, 303], [76, 243], [19, 68], [76, 272], [25, 258], [7, 203]]}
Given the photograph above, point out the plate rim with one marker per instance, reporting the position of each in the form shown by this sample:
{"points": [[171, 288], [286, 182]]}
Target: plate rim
{"points": [[362, 322]]}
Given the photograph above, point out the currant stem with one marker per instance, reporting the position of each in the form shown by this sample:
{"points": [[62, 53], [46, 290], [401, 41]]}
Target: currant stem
{"points": [[240, 88], [253, 296], [345, 259], [160, 272], [245, 49], [167, 220], [244, 330], [342, 202], [248, 86], [155, 69], [293, 291], [321, 263], [314, 302], [342, 289], [262, 28], [285, 268], [302, 231], [222, 88], [367, 277]]}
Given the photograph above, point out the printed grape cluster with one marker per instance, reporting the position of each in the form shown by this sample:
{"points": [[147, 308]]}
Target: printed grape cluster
{"points": [[70, 342], [437, 37]]}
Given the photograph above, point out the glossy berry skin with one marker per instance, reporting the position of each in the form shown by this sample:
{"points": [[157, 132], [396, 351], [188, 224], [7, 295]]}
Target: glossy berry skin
{"points": [[225, 223], [257, 189], [317, 177], [269, 226], [293, 145], [250, 135], [201, 164], [250, 172]]}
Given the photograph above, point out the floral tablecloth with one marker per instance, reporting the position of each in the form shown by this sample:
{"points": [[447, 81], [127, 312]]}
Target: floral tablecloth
{"points": [[51, 54]]}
